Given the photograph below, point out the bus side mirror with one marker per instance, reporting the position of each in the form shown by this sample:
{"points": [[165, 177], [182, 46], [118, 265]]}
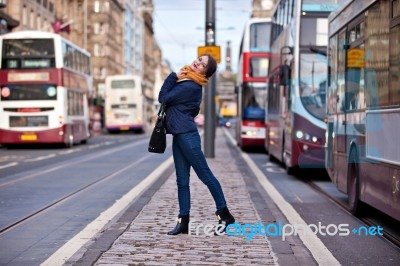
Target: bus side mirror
{"points": [[284, 75]]}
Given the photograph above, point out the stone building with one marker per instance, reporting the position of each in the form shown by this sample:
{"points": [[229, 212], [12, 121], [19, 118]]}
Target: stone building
{"points": [[31, 15], [133, 37], [105, 39]]}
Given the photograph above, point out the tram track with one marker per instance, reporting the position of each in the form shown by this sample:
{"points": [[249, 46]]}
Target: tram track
{"points": [[71, 162], [62, 199], [389, 237], [70, 195], [78, 191]]}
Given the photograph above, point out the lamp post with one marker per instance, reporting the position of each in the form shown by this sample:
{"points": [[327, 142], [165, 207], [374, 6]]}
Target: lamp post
{"points": [[209, 127]]}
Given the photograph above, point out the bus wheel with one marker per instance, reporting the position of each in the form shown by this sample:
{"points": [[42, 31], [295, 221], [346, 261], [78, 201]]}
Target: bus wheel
{"points": [[353, 186]]}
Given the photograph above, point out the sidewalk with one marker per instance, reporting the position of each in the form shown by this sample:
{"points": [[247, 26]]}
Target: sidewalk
{"points": [[146, 240]]}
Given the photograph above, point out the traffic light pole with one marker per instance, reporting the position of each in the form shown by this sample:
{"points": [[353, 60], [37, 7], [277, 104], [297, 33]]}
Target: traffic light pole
{"points": [[209, 126]]}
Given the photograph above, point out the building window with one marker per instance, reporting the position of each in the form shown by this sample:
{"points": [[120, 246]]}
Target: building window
{"points": [[32, 19], [96, 28], [51, 6], [38, 22], [96, 49], [106, 6], [99, 50], [24, 16], [97, 6], [396, 8], [103, 72]]}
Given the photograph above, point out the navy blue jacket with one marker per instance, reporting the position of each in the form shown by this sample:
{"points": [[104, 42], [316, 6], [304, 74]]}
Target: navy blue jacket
{"points": [[182, 100]]}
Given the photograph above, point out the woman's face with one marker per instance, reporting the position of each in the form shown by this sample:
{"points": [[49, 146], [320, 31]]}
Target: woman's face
{"points": [[199, 65]]}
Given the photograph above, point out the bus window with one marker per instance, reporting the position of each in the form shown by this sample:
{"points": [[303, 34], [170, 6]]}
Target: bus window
{"points": [[355, 79], [123, 84], [395, 64], [377, 55], [259, 37], [28, 53], [28, 47], [314, 31], [258, 67], [313, 74]]}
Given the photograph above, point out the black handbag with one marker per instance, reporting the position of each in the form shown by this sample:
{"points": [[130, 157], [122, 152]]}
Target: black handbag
{"points": [[158, 139]]}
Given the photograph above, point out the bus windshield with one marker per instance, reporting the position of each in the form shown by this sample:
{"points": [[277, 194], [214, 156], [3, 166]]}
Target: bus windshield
{"points": [[123, 84], [259, 37], [253, 102], [28, 53], [259, 67], [313, 81]]}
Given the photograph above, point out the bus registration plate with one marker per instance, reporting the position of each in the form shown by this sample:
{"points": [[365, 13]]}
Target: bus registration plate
{"points": [[28, 137], [124, 128]]}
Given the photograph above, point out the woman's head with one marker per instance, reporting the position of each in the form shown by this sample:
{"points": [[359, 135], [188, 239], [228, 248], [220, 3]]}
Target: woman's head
{"points": [[205, 65]]}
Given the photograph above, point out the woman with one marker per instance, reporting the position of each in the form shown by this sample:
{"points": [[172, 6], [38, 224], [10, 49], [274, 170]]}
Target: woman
{"points": [[182, 93]]}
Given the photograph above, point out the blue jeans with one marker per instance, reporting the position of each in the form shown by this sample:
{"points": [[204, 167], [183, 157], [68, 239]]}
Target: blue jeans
{"points": [[186, 149]]}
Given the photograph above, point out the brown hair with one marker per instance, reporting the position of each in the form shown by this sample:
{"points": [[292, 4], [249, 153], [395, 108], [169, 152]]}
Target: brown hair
{"points": [[211, 66]]}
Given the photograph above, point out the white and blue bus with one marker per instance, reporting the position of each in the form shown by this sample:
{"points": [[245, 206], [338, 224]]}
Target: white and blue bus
{"points": [[124, 104]]}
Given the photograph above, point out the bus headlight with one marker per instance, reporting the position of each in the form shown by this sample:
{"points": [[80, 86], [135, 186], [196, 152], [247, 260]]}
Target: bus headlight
{"points": [[299, 134], [305, 136], [5, 92]]}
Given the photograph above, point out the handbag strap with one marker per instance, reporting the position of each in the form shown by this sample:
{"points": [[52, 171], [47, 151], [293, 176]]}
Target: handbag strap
{"points": [[162, 110]]}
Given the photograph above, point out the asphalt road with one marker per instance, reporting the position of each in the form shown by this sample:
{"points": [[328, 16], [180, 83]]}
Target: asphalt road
{"points": [[49, 194]]}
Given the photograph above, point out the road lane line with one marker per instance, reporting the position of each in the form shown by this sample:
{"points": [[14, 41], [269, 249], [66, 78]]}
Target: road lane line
{"points": [[40, 158], [319, 251], [66, 152], [70, 195], [60, 166], [8, 165], [84, 236]]}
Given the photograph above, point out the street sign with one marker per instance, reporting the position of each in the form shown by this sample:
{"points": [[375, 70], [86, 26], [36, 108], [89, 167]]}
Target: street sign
{"points": [[355, 58], [214, 51]]}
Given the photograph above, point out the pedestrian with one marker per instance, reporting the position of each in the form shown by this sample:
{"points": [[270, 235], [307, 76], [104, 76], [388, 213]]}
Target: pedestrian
{"points": [[182, 94]]}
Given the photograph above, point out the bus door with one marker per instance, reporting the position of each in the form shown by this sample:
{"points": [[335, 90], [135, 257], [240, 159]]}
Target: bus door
{"points": [[340, 120]]}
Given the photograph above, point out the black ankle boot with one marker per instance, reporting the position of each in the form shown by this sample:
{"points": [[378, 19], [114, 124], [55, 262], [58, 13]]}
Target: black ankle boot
{"points": [[224, 215], [182, 226]]}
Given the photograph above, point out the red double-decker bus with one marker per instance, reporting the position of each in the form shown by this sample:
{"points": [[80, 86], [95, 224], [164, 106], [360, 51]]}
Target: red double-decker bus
{"points": [[44, 85], [251, 83]]}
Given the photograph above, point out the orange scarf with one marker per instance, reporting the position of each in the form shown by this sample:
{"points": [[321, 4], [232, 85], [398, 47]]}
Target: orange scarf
{"points": [[188, 73]]}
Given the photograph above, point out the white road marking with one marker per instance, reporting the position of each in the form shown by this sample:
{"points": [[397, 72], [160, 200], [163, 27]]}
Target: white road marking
{"points": [[7, 165], [67, 151], [40, 158], [79, 240], [319, 251], [274, 170], [94, 146], [112, 150], [298, 198]]}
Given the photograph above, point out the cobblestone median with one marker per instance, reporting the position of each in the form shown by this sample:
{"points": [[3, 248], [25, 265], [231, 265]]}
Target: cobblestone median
{"points": [[146, 241]]}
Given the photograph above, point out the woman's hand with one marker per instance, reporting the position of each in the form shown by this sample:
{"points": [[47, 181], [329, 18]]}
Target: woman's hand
{"points": [[181, 74]]}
